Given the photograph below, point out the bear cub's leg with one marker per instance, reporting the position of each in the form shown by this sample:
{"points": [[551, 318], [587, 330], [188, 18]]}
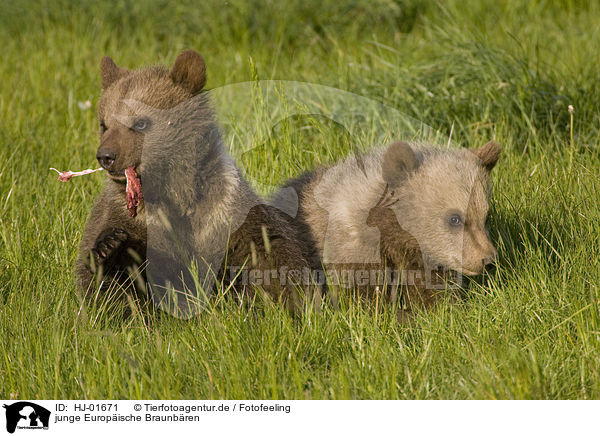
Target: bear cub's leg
{"points": [[107, 249]]}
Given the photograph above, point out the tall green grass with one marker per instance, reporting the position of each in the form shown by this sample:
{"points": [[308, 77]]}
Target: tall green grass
{"points": [[487, 70]]}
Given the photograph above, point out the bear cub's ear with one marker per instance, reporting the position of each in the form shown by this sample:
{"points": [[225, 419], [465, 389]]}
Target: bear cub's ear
{"points": [[489, 154], [399, 160], [109, 72], [189, 71]]}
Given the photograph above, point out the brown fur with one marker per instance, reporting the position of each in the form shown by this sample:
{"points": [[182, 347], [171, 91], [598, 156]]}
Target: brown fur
{"points": [[197, 207], [390, 209]]}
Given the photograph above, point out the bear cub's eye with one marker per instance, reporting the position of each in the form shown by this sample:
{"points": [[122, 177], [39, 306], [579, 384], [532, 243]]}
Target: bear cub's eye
{"points": [[455, 220], [103, 127], [141, 124]]}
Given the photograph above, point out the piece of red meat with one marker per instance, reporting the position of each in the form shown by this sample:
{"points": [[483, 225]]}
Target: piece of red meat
{"points": [[133, 191], [65, 176]]}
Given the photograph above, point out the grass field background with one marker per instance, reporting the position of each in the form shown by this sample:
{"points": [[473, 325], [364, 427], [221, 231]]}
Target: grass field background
{"points": [[503, 70]]}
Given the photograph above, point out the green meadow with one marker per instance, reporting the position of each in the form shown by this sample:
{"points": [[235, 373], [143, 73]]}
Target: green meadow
{"points": [[474, 71]]}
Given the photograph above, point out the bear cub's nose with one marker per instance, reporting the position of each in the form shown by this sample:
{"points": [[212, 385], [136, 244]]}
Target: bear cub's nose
{"points": [[489, 263], [106, 159]]}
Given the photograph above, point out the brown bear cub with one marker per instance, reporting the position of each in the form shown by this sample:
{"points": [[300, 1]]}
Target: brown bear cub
{"points": [[199, 221], [409, 215]]}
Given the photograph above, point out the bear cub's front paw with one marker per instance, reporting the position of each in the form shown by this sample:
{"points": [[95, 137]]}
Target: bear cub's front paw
{"points": [[109, 245]]}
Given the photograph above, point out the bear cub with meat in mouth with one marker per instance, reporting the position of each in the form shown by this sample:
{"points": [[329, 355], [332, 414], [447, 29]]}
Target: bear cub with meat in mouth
{"points": [[188, 212]]}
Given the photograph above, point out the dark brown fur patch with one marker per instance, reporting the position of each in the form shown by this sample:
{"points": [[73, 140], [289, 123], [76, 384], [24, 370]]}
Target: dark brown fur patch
{"points": [[189, 71], [489, 154], [399, 161], [110, 72]]}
